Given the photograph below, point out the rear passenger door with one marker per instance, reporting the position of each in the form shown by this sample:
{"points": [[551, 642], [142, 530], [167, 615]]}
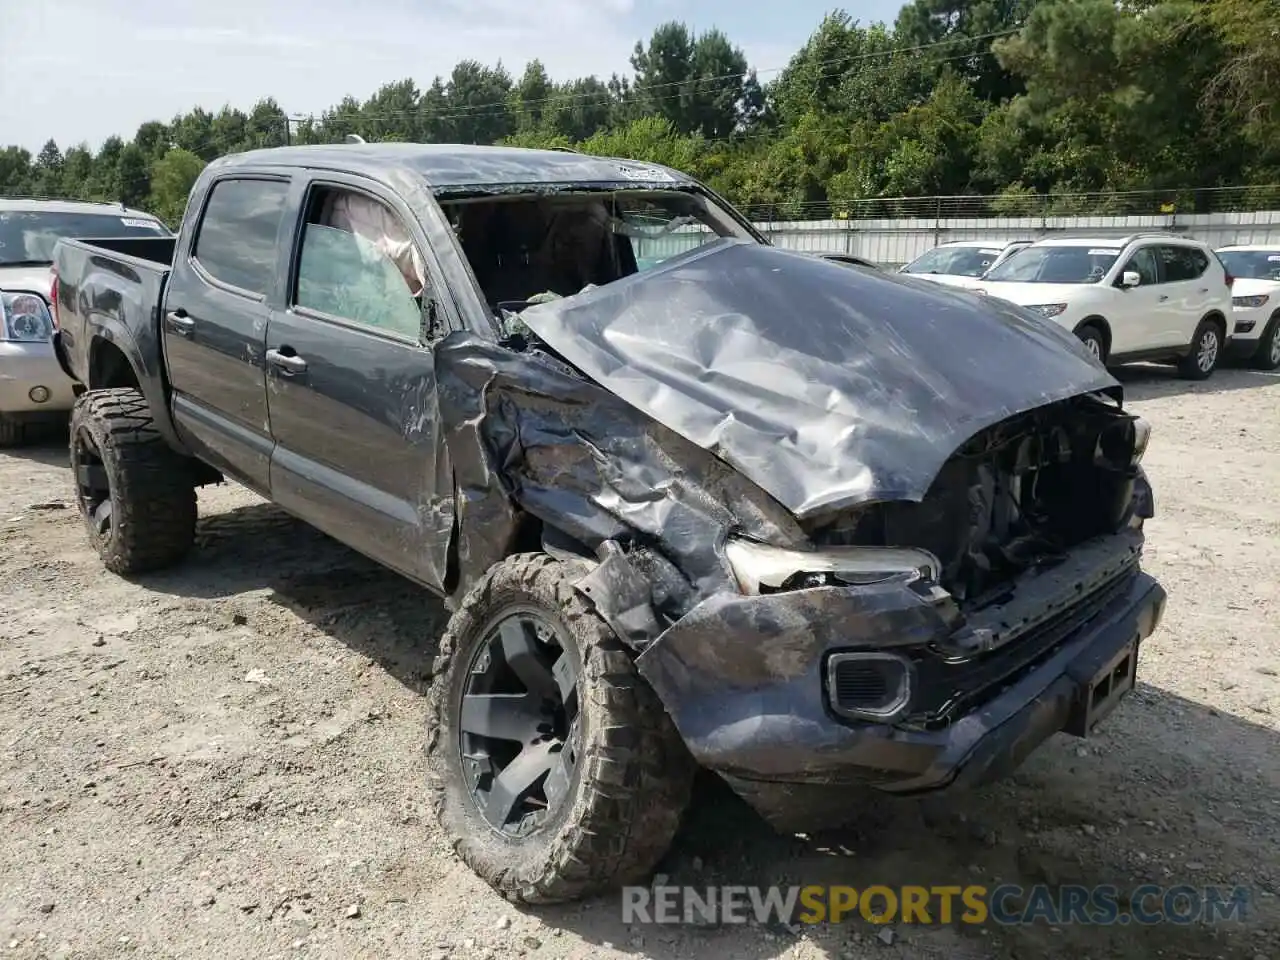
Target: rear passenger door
{"points": [[215, 324], [351, 390], [1190, 296]]}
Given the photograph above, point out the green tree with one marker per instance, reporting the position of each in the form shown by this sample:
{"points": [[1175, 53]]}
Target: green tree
{"points": [[172, 177]]}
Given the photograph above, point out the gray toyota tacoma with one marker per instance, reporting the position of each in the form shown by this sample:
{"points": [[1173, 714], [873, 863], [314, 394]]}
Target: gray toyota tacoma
{"points": [[692, 500]]}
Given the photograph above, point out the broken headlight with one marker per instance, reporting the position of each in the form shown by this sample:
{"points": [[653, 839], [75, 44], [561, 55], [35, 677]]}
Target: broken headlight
{"points": [[760, 568]]}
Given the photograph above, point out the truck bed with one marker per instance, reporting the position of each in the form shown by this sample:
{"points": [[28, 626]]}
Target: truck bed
{"points": [[110, 292]]}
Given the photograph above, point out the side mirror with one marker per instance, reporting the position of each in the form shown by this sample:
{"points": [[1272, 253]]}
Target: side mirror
{"points": [[1131, 278]]}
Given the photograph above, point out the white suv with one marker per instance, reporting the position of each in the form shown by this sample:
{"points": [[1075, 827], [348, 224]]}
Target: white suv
{"points": [[1144, 297], [1255, 302], [959, 263]]}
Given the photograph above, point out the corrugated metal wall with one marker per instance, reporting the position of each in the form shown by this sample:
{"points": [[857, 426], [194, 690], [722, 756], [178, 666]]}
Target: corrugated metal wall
{"points": [[895, 242]]}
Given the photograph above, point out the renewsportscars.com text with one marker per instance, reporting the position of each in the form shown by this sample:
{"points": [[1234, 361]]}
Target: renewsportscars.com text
{"points": [[1007, 904]]}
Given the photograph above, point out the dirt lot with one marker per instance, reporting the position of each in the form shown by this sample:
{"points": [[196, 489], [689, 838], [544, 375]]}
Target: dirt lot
{"points": [[226, 760]]}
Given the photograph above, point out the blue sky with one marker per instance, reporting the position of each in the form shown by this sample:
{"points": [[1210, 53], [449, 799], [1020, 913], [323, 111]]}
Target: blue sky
{"points": [[85, 69]]}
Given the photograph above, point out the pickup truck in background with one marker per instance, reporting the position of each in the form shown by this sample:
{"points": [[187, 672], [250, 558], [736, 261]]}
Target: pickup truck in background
{"points": [[33, 391], [803, 525]]}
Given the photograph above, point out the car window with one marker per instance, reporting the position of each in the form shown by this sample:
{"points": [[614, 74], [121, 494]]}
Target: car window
{"points": [[1145, 264], [346, 275], [237, 239], [955, 261], [1251, 264], [1182, 263], [1055, 264], [29, 236]]}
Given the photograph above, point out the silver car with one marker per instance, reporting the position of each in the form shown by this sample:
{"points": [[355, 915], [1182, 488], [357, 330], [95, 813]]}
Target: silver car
{"points": [[33, 387]]}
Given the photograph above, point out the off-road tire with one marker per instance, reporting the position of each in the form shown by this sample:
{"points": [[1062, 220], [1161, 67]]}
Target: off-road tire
{"points": [[152, 492], [634, 774], [1267, 357], [12, 433], [1189, 366], [1089, 333]]}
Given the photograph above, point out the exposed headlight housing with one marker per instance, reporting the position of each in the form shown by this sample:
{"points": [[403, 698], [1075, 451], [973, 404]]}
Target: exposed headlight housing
{"points": [[1257, 301], [760, 568], [1048, 309]]}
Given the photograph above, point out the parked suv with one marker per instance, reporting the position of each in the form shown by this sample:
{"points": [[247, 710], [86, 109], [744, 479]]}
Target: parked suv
{"points": [[959, 263], [32, 388], [1255, 303], [1144, 297]]}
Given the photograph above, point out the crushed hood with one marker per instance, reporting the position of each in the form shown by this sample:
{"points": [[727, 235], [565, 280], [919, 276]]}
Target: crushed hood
{"points": [[824, 386]]}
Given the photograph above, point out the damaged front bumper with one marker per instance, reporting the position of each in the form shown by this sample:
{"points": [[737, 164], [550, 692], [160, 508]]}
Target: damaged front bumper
{"points": [[750, 684]]}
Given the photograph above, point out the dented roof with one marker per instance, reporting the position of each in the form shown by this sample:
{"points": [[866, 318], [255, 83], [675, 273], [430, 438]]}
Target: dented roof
{"points": [[447, 165]]}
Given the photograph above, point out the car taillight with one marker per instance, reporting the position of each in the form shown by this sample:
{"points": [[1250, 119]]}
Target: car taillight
{"points": [[53, 302], [1230, 279]]}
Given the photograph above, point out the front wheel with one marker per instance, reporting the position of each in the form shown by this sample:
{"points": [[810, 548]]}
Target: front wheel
{"points": [[1267, 356], [1206, 348], [1093, 341], [135, 493], [554, 767]]}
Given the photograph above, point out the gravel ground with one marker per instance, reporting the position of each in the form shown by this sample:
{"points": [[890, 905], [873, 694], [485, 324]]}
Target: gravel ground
{"points": [[225, 760]]}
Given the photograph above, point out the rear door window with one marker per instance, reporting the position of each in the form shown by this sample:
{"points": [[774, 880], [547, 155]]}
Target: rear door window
{"points": [[236, 243], [1182, 263]]}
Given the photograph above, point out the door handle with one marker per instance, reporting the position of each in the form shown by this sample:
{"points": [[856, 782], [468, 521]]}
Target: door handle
{"points": [[1204, 289], [180, 323], [1163, 297], [289, 363]]}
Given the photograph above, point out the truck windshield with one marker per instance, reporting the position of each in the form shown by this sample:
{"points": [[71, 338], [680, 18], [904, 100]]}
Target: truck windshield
{"points": [[1073, 264], [955, 261], [1251, 264], [524, 249], [29, 236]]}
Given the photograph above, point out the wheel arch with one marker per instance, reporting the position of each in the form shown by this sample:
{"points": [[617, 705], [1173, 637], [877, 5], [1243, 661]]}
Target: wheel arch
{"points": [[1099, 322]]}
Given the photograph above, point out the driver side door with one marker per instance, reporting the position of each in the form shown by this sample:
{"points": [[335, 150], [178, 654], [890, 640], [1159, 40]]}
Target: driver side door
{"points": [[1139, 316], [351, 390]]}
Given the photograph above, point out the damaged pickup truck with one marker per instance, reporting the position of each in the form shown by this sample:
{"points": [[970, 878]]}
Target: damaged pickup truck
{"points": [[692, 500]]}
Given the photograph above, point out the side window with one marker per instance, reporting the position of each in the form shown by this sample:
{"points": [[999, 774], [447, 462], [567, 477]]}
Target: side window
{"points": [[359, 263], [236, 243], [1182, 263], [1144, 262]]}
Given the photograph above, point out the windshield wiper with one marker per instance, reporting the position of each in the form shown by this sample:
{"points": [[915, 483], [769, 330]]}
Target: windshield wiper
{"points": [[26, 263]]}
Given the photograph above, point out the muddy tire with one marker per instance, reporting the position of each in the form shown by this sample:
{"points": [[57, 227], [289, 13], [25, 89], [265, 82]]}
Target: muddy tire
{"points": [[613, 792], [1267, 356], [1206, 351], [135, 493], [12, 433]]}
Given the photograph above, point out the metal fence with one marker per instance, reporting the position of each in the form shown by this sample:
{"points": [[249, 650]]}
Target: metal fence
{"points": [[896, 230]]}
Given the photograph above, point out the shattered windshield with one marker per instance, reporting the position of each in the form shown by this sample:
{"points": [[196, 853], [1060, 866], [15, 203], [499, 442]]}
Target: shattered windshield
{"points": [[955, 261], [1252, 264], [1074, 264], [530, 249]]}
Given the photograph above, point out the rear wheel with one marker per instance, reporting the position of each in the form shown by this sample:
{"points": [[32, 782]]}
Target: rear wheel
{"points": [[135, 493], [1267, 356], [1206, 348], [1094, 341], [554, 767]]}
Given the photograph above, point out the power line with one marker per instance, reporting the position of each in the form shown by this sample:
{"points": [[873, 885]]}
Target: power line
{"points": [[646, 93]]}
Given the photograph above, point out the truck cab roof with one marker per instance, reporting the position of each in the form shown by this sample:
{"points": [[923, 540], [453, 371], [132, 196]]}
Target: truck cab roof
{"points": [[451, 168]]}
